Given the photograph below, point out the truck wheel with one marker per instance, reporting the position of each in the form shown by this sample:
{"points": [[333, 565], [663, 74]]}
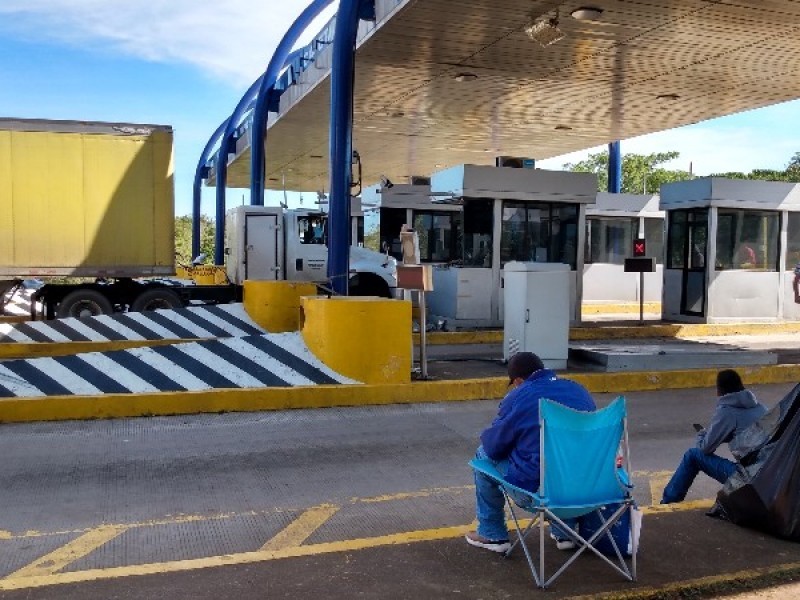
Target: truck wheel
{"points": [[84, 303], [369, 285], [154, 299]]}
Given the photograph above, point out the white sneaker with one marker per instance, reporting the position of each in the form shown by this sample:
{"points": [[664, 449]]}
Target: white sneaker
{"points": [[563, 544], [500, 546]]}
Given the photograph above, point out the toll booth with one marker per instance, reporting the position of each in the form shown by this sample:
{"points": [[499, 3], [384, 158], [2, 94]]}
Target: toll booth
{"points": [[731, 249], [387, 209], [509, 214], [612, 223]]}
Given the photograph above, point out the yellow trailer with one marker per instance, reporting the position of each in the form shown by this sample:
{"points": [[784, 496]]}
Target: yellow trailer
{"points": [[85, 199]]}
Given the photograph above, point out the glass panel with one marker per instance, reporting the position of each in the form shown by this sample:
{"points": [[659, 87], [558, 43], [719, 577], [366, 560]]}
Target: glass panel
{"points": [[311, 229], [478, 224], [654, 235], [611, 239], [693, 302], [392, 220], [564, 234], [439, 235], [792, 241], [372, 229], [676, 242], [422, 225], [359, 231], [747, 239], [515, 236]]}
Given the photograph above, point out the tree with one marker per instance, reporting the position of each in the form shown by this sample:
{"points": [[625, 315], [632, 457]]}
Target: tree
{"points": [[641, 174], [183, 239]]}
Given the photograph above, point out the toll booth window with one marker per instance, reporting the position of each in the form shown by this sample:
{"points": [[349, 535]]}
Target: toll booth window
{"points": [[792, 241], [747, 239], [392, 221], [439, 235], [539, 232], [371, 224], [609, 240], [359, 231], [312, 229], [654, 235], [478, 224]]}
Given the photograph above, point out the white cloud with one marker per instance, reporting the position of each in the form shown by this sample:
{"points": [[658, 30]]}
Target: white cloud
{"points": [[232, 40]]}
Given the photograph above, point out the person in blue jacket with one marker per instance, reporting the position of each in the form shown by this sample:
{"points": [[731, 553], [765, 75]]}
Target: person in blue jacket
{"points": [[512, 443], [737, 408]]}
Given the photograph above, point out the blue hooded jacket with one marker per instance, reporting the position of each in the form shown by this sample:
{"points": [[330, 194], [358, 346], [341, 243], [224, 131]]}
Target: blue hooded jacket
{"points": [[514, 433]]}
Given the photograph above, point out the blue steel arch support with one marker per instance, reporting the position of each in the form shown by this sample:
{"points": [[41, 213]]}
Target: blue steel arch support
{"points": [[199, 174], [221, 182], [266, 93], [614, 168], [341, 143]]}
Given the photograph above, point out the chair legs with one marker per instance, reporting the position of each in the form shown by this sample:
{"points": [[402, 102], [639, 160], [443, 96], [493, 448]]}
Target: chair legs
{"points": [[542, 514]]}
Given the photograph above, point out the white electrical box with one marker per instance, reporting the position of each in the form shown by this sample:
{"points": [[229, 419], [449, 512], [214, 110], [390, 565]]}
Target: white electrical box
{"points": [[537, 311]]}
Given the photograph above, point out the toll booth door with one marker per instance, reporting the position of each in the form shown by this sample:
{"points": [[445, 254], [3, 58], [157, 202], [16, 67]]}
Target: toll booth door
{"points": [[693, 290], [261, 248]]}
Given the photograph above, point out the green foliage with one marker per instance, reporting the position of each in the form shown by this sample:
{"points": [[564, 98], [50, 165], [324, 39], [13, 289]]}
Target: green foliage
{"points": [[641, 174], [183, 239]]}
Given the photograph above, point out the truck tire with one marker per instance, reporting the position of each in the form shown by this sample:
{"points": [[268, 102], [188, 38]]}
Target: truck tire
{"points": [[367, 284], [156, 298], [84, 303]]}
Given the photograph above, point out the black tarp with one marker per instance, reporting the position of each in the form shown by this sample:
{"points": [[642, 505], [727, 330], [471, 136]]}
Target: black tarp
{"points": [[764, 493]]}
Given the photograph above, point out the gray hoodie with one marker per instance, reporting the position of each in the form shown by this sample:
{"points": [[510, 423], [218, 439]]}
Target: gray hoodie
{"points": [[734, 412]]}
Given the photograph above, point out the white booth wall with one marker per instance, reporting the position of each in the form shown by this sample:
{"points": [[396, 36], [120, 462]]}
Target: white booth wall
{"points": [[736, 294]]}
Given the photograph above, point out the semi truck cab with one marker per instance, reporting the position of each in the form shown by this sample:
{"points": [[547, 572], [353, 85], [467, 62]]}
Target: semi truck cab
{"points": [[273, 243]]}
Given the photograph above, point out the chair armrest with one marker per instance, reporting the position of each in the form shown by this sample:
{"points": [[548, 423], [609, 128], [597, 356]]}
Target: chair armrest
{"points": [[487, 468]]}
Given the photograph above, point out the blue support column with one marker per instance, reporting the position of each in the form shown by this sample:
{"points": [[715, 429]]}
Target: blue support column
{"points": [[266, 98], [614, 168], [341, 143], [227, 145], [201, 173]]}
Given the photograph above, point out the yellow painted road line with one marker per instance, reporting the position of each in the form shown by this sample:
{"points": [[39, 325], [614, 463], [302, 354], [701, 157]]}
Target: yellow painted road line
{"points": [[408, 537], [59, 558], [418, 494], [658, 481], [199, 518], [301, 528]]}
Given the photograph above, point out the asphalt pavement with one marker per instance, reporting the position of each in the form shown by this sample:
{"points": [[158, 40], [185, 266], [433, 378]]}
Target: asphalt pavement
{"points": [[364, 502]]}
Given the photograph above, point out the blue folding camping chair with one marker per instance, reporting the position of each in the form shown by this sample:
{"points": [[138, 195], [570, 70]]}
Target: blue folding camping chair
{"points": [[579, 475]]}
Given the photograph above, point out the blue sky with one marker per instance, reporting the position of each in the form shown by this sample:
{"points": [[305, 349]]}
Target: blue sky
{"points": [[176, 63]]}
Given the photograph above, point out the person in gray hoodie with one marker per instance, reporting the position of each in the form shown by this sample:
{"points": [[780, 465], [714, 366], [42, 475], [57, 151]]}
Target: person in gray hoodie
{"points": [[737, 408]]}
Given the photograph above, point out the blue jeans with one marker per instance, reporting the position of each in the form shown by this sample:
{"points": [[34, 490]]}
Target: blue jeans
{"points": [[490, 503], [694, 461]]}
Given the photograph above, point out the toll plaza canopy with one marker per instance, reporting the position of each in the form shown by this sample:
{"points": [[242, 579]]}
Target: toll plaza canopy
{"points": [[440, 83]]}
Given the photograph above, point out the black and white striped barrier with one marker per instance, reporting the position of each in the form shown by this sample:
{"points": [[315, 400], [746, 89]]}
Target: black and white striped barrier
{"points": [[271, 360], [210, 321]]}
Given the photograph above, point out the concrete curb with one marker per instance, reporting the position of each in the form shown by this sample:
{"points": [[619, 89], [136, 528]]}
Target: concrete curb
{"points": [[616, 332], [439, 338], [59, 408], [708, 587]]}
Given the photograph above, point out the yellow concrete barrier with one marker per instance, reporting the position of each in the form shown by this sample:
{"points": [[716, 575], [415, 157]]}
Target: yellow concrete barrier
{"points": [[365, 338], [275, 305]]}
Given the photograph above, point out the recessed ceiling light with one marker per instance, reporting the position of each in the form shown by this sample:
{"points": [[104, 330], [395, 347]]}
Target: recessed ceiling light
{"points": [[315, 156], [668, 97], [563, 128], [587, 13], [465, 77]]}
